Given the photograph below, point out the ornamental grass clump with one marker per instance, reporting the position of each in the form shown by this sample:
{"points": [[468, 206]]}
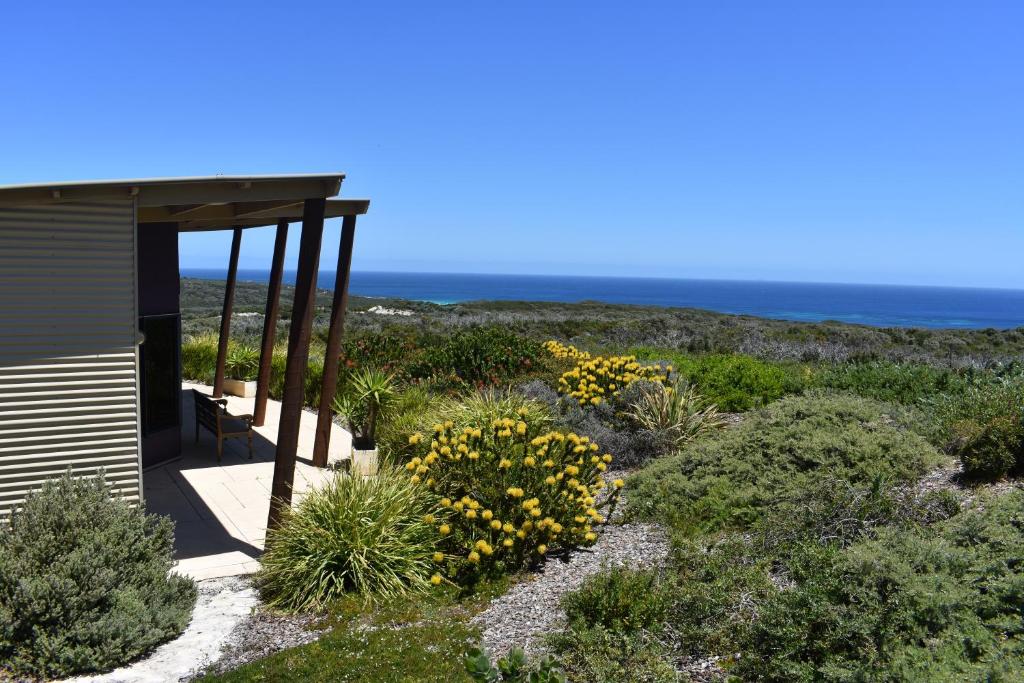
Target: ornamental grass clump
{"points": [[510, 491], [85, 582], [354, 535], [601, 378]]}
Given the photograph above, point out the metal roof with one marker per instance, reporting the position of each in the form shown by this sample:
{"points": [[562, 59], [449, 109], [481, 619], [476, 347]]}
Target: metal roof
{"points": [[200, 202]]}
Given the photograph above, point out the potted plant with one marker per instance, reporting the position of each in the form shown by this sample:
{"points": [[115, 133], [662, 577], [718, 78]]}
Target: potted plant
{"points": [[241, 366], [362, 399]]}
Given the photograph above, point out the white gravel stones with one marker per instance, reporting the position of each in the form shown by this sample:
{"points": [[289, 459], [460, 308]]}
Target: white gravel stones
{"points": [[529, 609]]}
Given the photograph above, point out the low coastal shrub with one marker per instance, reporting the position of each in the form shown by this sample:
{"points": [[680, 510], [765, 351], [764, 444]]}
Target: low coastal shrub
{"points": [[515, 667], [630, 444], [85, 582], [597, 379], [619, 599], [733, 382], [938, 603], [731, 478], [477, 357], [363, 535], [991, 450], [906, 383], [511, 488]]}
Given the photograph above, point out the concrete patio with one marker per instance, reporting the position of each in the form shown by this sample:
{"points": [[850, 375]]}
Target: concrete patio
{"points": [[220, 509]]}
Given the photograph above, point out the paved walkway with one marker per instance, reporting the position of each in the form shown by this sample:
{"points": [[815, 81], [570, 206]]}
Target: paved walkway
{"points": [[220, 510]]}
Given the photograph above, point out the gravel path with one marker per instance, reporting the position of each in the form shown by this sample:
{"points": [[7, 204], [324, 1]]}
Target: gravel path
{"points": [[529, 609]]}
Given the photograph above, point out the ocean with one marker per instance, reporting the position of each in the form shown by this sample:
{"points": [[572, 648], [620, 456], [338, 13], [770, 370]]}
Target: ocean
{"points": [[878, 305]]}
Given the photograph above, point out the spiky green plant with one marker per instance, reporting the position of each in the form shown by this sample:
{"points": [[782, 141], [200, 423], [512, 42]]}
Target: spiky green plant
{"points": [[678, 411], [243, 362], [364, 396], [363, 535]]}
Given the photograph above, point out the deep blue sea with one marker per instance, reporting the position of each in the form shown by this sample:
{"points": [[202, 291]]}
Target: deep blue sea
{"points": [[880, 305]]}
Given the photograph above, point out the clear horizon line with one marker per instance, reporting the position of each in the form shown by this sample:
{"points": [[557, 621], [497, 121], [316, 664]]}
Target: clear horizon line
{"points": [[638, 277]]}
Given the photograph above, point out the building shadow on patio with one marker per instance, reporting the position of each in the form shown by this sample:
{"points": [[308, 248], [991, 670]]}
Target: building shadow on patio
{"points": [[220, 509]]}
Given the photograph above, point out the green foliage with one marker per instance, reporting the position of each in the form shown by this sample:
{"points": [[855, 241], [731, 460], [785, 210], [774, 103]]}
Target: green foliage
{"points": [[477, 357], [510, 487], [939, 604], [731, 478], [199, 357], [623, 600], [412, 410], [514, 667], [356, 534], [596, 655], [405, 640], [365, 396], [906, 383], [85, 583], [393, 350], [678, 412], [243, 362], [984, 424], [733, 382]]}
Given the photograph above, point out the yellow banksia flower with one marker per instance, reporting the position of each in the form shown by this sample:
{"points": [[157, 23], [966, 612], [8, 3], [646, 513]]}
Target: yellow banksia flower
{"points": [[438, 557], [436, 579]]}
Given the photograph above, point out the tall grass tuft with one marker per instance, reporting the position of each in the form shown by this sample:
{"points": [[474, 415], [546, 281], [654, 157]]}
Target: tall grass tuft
{"points": [[678, 412], [362, 535]]}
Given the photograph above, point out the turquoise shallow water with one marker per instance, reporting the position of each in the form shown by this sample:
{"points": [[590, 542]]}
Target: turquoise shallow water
{"points": [[879, 305]]}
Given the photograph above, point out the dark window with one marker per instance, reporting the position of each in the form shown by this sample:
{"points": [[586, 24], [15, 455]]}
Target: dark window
{"points": [[161, 377]]}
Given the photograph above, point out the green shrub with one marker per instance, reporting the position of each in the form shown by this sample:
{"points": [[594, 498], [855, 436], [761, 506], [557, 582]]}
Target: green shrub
{"points": [[732, 382], [514, 667], [906, 383], [85, 583], [414, 409], [364, 535], [624, 600], [243, 362], [595, 655], [992, 450], [393, 350], [916, 604], [731, 478], [477, 357], [199, 358], [510, 487]]}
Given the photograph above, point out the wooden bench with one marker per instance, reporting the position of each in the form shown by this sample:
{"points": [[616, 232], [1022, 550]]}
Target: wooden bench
{"points": [[213, 414]]}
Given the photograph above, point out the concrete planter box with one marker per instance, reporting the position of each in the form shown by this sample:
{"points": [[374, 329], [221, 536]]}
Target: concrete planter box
{"points": [[364, 463], [238, 387]]}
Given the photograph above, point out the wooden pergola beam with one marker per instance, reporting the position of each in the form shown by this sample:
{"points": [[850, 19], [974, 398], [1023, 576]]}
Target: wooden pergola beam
{"points": [[225, 316], [224, 216], [298, 356], [270, 324], [329, 385]]}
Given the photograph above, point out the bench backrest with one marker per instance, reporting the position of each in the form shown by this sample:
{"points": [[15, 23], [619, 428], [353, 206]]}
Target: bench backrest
{"points": [[206, 410]]}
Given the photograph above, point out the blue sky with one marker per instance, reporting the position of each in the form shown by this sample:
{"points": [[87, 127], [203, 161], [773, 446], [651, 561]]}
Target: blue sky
{"points": [[821, 141]]}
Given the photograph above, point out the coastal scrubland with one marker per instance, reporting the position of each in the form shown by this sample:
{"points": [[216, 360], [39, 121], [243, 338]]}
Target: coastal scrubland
{"points": [[837, 502]]}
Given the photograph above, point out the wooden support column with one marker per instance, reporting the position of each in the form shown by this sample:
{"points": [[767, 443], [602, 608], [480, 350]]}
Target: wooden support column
{"points": [[298, 357], [270, 324], [322, 444], [225, 316]]}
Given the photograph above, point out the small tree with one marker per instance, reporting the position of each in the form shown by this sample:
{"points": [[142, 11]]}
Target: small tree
{"points": [[363, 399]]}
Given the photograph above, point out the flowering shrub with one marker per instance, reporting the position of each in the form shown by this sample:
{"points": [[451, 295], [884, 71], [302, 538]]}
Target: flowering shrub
{"points": [[509, 491], [599, 378]]}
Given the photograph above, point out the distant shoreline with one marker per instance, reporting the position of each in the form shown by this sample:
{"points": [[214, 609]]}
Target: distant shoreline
{"points": [[873, 305]]}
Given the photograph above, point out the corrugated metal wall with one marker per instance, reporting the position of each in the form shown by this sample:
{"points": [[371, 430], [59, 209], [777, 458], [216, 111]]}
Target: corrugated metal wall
{"points": [[68, 390]]}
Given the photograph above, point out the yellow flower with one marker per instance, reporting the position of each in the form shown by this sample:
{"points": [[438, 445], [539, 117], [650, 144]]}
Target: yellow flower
{"points": [[410, 466], [535, 512], [429, 519], [542, 549], [529, 461], [505, 463], [508, 543], [590, 536], [487, 514], [473, 557], [618, 483], [550, 481], [471, 514], [495, 524], [458, 505], [415, 439], [473, 455], [507, 527], [446, 502], [444, 529], [607, 457], [415, 479], [438, 557], [435, 579]]}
